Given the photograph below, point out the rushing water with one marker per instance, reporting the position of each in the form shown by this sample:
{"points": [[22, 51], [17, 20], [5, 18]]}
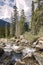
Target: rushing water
{"points": [[10, 52], [25, 51]]}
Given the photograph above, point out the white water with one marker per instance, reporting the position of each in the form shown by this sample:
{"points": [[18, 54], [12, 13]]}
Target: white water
{"points": [[25, 51], [14, 47], [9, 48]]}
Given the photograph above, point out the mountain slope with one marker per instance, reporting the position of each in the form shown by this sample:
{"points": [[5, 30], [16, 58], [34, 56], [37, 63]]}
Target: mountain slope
{"points": [[3, 23]]}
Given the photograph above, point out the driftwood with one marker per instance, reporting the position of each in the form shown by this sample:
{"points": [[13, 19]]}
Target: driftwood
{"points": [[38, 58], [20, 63]]}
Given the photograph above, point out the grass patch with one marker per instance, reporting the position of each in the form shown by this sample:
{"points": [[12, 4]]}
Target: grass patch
{"points": [[30, 37]]}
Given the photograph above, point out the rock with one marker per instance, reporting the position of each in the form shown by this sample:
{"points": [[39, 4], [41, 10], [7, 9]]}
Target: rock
{"points": [[21, 37], [40, 41], [38, 44], [24, 41], [3, 40], [17, 40], [41, 38]]}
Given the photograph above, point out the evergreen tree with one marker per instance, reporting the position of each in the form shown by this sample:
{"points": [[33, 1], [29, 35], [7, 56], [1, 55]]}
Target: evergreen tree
{"points": [[37, 18], [15, 22], [32, 19], [22, 20], [26, 26]]}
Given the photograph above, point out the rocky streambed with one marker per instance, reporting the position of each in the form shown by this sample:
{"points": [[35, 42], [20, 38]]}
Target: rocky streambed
{"points": [[21, 52]]}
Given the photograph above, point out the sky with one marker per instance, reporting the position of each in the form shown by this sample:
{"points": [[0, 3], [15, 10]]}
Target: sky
{"points": [[6, 7]]}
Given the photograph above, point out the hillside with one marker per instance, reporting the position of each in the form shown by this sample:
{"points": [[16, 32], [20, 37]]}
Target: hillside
{"points": [[3, 23]]}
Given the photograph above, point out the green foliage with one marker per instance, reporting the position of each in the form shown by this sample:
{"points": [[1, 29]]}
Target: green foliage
{"points": [[26, 26], [36, 22], [37, 18], [2, 32], [30, 37]]}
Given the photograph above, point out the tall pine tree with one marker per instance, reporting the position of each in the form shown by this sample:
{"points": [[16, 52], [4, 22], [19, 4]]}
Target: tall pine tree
{"points": [[22, 20], [15, 22]]}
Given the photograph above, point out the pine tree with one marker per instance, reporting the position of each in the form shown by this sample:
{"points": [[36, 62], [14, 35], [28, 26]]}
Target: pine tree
{"points": [[15, 22], [32, 21], [26, 26], [22, 20]]}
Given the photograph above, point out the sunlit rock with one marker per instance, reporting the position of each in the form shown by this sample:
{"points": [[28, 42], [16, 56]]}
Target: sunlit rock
{"points": [[21, 37], [17, 40], [23, 41], [3, 40], [38, 44]]}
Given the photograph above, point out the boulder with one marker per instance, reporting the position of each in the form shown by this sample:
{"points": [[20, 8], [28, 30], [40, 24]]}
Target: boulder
{"points": [[21, 37], [38, 44], [3, 40], [24, 41], [41, 38], [17, 40]]}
